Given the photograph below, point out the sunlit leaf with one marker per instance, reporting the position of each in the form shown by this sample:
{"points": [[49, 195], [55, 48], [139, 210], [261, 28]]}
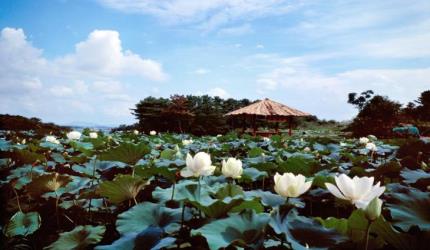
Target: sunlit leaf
{"points": [[122, 188], [127, 152], [79, 238]]}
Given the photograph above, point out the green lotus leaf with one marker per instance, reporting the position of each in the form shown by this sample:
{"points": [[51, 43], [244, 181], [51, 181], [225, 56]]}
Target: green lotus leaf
{"points": [[340, 225], [57, 157], [150, 171], [24, 174], [385, 230], [229, 190], [88, 169], [252, 174], [300, 230], [27, 157], [168, 154], [412, 176], [410, 209], [85, 147], [143, 241], [298, 165], [256, 152], [47, 183], [22, 224], [79, 238], [127, 152], [244, 229], [185, 190], [265, 166], [146, 214], [122, 188], [267, 198]]}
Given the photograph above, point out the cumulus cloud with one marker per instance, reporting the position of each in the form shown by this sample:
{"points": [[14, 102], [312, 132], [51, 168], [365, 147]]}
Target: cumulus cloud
{"points": [[102, 55], [325, 94], [220, 92], [71, 85]]}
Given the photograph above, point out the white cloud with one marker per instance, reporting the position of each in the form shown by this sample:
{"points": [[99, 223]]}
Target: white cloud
{"points": [[325, 94], [259, 46], [201, 71], [18, 61], [57, 90], [218, 92], [209, 14], [102, 55], [236, 30]]}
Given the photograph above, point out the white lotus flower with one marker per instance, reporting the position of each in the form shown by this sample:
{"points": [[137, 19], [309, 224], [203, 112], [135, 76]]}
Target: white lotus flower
{"points": [[371, 146], [219, 135], [93, 135], [153, 132], [364, 140], [343, 144], [187, 142], [74, 135], [358, 190], [52, 139], [307, 149], [136, 132], [290, 185], [267, 139], [232, 168], [200, 165]]}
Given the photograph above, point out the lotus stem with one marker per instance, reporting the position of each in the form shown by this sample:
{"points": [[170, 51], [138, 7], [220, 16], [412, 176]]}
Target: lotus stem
{"points": [[57, 198], [17, 199], [199, 188], [173, 190], [367, 236], [182, 215], [92, 185], [134, 199]]}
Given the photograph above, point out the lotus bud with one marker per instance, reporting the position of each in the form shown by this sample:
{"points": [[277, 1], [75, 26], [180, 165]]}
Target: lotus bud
{"points": [[187, 142], [373, 210], [136, 132], [232, 168], [371, 146], [153, 132], [93, 135], [364, 140]]}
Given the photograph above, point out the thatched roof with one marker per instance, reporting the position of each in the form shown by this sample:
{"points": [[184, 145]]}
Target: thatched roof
{"points": [[268, 107]]}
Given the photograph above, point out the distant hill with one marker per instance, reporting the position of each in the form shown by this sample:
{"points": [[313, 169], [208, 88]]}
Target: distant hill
{"points": [[19, 123]]}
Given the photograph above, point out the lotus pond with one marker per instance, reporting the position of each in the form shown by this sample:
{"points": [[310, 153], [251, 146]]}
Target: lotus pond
{"points": [[134, 191]]}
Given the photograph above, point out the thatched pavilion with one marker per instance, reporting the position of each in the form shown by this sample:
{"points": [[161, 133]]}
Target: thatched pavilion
{"points": [[268, 110]]}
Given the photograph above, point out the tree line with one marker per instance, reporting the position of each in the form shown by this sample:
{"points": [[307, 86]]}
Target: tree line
{"points": [[378, 114], [199, 115]]}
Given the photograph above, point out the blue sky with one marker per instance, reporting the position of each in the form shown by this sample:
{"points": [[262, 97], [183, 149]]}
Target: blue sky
{"points": [[91, 61]]}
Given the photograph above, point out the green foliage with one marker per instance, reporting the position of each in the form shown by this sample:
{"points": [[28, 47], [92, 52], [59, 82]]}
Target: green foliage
{"points": [[410, 209], [147, 214], [244, 229], [79, 238], [22, 224], [377, 117], [122, 188], [127, 152]]}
